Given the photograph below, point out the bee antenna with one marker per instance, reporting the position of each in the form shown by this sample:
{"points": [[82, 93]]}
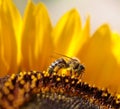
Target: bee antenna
{"points": [[63, 55], [54, 57]]}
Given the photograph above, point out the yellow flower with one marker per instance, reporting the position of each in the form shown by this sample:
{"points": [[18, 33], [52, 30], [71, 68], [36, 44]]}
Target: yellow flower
{"points": [[28, 43]]}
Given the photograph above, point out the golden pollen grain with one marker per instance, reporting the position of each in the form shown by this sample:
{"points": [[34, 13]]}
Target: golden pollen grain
{"points": [[6, 90], [11, 86], [39, 76], [73, 82], [32, 77], [10, 97], [22, 82], [34, 72], [21, 73], [29, 73], [7, 84], [13, 76], [58, 79], [66, 80]]}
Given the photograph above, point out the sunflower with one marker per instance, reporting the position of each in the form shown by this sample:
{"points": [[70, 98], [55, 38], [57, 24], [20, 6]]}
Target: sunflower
{"points": [[27, 44]]}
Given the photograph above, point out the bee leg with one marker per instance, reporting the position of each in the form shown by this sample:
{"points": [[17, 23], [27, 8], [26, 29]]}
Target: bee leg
{"points": [[81, 75]]}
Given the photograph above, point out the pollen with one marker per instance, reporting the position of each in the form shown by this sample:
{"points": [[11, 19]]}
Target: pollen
{"points": [[13, 76], [29, 73], [58, 79], [10, 97], [39, 76], [73, 82], [22, 82], [66, 80], [32, 77], [7, 84], [6, 90]]}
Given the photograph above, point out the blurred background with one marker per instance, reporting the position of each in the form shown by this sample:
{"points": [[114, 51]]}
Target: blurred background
{"points": [[100, 11]]}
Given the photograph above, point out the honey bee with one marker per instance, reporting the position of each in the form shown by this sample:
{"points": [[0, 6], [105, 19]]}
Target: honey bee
{"points": [[72, 63]]}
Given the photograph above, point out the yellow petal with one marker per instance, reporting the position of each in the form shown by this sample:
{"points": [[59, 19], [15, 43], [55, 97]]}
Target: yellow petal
{"points": [[67, 29], [116, 52], [37, 44], [9, 15], [101, 64], [78, 41], [116, 46], [17, 25]]}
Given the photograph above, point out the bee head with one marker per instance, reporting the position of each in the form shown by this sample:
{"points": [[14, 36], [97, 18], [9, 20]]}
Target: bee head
{"points": [[75, 64]]}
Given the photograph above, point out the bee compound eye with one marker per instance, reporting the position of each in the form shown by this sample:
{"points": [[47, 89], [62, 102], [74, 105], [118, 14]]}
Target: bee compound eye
{"points": [[82, 67]]}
